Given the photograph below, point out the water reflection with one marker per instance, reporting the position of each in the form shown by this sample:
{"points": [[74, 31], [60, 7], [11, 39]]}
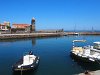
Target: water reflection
{"points": [[53, 51], [33, 41], [25, 73], [16, 40]]}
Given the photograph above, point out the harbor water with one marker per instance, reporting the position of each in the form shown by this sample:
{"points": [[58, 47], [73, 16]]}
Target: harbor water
{"points": [[54, 53]]}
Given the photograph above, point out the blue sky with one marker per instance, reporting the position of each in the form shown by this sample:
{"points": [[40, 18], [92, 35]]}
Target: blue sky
{"points": [[53, 14]]}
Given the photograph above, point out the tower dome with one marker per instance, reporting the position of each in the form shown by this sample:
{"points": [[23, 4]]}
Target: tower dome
{"points": [[33, 21]]}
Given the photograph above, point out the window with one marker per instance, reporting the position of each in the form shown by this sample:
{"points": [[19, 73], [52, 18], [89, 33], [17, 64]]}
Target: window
{"points": [[3, 27]]}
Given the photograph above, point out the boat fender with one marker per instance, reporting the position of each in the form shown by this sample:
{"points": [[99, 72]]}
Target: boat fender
{"points": [[91, 59], [19, 66], [86, 72], [32, 66]]}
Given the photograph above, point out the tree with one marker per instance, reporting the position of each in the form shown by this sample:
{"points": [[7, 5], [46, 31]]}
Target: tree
{"points": [[9, 28]]}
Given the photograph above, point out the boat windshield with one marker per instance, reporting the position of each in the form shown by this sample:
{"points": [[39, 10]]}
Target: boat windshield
{"points": [[96, 45], [74, 45]]}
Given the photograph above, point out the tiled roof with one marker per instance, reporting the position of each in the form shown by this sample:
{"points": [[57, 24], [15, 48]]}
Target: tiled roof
{"points": [[22, 24]]}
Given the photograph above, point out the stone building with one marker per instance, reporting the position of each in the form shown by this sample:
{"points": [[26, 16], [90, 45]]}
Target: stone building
{"points": [[32, 26], [24, 27], [20, 26]]}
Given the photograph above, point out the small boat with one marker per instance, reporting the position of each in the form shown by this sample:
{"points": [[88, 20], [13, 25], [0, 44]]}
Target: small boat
{"points": [[27, 63], [75, 33], [86, 53]]}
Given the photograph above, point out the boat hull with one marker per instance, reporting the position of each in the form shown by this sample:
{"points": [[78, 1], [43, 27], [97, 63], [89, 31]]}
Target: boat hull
{"points": [[80, 58], [30, 67]]}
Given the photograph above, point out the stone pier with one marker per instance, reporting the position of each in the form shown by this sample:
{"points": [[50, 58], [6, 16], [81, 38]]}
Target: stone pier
{"points": [[27, 35]]}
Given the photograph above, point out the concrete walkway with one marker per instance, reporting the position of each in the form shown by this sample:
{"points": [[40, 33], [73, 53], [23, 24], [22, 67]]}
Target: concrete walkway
{"points": [[91, 73]]}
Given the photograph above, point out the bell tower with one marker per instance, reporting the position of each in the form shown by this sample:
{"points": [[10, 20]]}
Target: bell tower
{"points": [[33, 25]]}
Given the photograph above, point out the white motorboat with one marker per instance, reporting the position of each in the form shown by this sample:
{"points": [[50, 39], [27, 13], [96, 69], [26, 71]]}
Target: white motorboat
{"points": [[27, 63], [86, 53]]}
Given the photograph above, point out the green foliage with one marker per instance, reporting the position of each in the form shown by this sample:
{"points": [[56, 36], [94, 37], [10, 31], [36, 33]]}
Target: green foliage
{"points": [[8, 27]]}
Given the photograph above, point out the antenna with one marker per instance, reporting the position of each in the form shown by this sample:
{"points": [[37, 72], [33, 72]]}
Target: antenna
{"points": [[92, 29], [75, 28]]}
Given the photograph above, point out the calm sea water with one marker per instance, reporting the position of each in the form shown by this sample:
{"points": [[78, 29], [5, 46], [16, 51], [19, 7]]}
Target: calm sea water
{"points": [[54, 55]]}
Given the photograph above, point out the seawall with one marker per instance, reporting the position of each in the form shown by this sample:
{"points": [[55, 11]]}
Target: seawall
{"points": [[33, 35], [27, 35], [82, 33]]}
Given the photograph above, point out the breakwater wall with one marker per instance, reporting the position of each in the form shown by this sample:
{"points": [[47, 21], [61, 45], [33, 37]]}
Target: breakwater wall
{"points": [[33, 35], [82, 33], [27, 35]]}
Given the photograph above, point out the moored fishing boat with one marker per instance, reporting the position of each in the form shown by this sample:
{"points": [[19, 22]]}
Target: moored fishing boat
{"points": [[27, 63], [86, 53]]}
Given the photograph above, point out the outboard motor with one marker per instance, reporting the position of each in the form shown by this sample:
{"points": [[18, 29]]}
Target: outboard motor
{"points": [[30, 53]]}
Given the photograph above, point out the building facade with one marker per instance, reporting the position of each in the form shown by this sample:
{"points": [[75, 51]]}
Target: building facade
{"points": [[21, 26], [4, 26], [7, 23], [25, 27], [18, 27]]}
